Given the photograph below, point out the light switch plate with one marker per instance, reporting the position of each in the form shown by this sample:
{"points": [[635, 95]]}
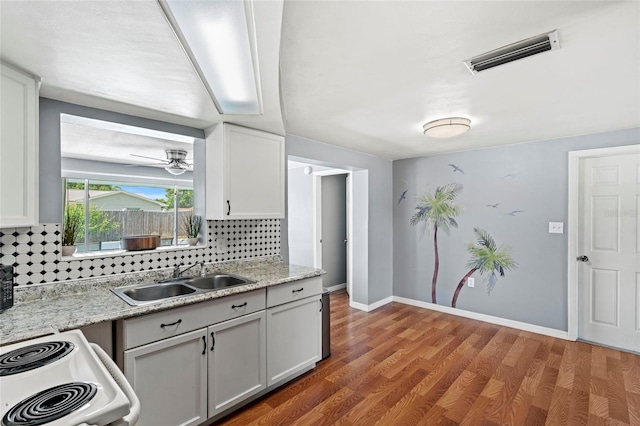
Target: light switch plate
{"points": [[471, 282], [556, 227]]}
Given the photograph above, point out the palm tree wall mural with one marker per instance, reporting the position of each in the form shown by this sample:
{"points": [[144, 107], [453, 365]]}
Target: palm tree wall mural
{"points": [[438, 211], [487, 258]]}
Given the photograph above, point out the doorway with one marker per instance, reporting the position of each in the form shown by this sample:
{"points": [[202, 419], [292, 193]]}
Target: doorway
{"points": [[604, 246], [330, 222], [308, 238]]}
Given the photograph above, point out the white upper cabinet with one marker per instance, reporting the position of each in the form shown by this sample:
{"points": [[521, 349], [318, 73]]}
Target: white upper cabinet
{"points": [[244, 173], [18, 149]]}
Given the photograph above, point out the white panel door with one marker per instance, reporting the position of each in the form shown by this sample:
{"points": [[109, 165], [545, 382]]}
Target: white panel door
{"points": [[294, 338], [609, 250], [237, 361], [170, 379], [18, 148], [254, 178]]}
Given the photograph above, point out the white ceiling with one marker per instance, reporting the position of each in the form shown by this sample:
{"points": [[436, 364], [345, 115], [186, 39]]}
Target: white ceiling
{"points": [[365, 75], [97, 140], [368, 75], [124, 56]]}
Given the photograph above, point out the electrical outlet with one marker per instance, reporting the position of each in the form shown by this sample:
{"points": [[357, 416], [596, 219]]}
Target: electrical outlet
{"points": [[471, 282], [556, 227]]}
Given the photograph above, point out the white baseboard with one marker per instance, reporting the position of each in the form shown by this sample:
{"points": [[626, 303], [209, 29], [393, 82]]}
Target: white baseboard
{"points": [[369, 308], [336, 287], [560, 334], [486, 318]]}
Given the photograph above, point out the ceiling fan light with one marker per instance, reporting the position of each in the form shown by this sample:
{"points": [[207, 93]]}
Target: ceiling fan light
{"points": [[175, 170], [447, 127]]}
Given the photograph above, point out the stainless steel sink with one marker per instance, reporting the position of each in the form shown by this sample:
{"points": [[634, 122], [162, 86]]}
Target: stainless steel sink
{"points": [[142, 294], [218, 281], [149, 293]]}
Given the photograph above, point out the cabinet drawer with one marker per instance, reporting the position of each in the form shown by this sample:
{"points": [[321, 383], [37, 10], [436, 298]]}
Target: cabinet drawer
{"points": [[285, 293], [150, 328]]}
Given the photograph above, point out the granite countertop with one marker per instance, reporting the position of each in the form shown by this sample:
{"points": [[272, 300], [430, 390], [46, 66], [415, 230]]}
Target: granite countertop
{"points": [[44, 309]]}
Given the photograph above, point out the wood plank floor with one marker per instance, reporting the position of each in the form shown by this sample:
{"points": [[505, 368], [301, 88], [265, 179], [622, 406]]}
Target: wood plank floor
{"points": [[402, 365]]}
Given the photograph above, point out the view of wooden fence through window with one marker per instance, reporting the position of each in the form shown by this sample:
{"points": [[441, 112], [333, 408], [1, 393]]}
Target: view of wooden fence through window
{"points": [[137, 222]]}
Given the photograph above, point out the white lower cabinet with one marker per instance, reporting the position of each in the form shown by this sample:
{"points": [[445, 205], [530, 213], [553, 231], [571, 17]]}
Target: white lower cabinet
{"points": [[170, 378], [294, 338], [227, 351], [237, 361]]}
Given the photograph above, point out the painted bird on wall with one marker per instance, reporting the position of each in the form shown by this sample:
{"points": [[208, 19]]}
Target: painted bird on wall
{"points": [[456, 168], [514, 175], [403, 196]]}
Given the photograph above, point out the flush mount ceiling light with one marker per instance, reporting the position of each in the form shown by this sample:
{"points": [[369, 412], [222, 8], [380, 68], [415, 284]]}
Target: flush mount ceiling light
{"points": [[219, 39], [447, 127]]}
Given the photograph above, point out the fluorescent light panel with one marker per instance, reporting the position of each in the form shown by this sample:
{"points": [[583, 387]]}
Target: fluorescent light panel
{"points": [[216, 36]]}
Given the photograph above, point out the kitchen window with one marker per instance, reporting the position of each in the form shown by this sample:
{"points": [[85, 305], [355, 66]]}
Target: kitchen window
{"points": [[123, 181], [111, 210]]}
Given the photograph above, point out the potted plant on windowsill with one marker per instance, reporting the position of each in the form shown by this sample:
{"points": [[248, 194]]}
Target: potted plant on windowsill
{"points": [[193, 224], [70, 231]]}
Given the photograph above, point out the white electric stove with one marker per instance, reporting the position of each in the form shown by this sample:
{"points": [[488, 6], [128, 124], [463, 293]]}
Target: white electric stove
{"points": [[62, 379]]}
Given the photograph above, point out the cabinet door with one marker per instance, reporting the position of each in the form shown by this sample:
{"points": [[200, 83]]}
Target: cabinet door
{"points": [[18, 149], [244, 173], [237, 361], [254, 180], [294, 338], [170, 379]]}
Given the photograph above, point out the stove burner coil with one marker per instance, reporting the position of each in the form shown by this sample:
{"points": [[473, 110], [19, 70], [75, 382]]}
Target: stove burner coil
{"points": [[33, 356], [50, 404]]}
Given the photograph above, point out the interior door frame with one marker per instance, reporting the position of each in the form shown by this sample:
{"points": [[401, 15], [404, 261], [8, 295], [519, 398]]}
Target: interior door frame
{"points": [[573, 301], [317, 220]]}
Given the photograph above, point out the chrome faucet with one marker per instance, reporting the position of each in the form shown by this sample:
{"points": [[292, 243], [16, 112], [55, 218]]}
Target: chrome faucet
{"points": [[177, 273]]}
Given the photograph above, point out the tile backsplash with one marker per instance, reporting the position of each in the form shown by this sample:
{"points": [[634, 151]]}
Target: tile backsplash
{"points": [[35, 251]]}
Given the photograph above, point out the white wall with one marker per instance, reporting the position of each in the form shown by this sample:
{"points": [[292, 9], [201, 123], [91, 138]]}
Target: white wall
{"points": [[300, 217]]}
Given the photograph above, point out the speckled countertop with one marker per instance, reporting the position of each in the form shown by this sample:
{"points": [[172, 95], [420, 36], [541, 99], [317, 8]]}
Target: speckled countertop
{"points": [[44, 309]]}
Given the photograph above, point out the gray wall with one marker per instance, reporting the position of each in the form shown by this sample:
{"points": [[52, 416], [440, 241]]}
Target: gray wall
{"points": [[300, 217], [334, 228], [50, 110], [532, 178], [372, 214]]}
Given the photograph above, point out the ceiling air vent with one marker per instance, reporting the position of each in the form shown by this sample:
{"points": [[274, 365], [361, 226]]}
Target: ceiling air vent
{"points": [[514, 51]]}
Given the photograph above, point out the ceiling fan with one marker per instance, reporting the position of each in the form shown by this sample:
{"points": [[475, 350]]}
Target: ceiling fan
{"points": [[174, 164]]}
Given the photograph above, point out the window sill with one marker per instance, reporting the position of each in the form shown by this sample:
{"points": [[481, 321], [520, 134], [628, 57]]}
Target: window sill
{"points": [[114, 253]]}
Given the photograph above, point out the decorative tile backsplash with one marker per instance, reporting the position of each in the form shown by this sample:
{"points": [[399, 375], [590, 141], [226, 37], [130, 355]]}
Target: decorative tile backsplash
{"points": [[35, 251]]}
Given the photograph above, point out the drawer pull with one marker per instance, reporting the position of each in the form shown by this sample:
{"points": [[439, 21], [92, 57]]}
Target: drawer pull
{"points": [[239, 306], [204, 345], [213, 340], [298, 290], [169, 325], [228, 208]]}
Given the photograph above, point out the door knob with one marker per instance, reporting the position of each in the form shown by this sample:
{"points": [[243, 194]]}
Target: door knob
{"points": [[582, 258]]}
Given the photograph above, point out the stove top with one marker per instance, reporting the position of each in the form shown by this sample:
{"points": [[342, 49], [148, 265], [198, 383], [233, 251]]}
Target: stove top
{"points": [[57, 380], [50, 404], [33, 356]]}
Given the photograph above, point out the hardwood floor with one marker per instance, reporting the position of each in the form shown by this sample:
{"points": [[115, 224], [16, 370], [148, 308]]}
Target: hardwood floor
{"points": [[402, 365]]}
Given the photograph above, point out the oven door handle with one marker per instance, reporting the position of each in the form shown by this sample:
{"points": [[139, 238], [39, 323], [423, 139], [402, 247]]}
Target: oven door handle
{"points": [[134, 411]]}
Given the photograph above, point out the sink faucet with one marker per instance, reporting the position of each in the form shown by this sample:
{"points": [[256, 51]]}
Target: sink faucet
{"points": [[177, 273]]}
